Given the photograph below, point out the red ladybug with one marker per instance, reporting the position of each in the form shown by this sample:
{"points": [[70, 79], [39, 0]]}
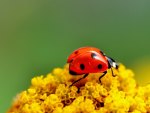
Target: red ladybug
{"points": [[87, 60]]}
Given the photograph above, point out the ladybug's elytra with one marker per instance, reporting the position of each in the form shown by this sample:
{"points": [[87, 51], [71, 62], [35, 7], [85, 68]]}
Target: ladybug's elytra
{"points": [[87, 60]]}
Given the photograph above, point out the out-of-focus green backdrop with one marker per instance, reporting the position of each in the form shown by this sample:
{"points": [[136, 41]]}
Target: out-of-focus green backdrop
{"points": [[37, 36]]}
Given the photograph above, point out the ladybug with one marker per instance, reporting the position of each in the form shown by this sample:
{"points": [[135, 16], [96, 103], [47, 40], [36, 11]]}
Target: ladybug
{"points": [[87, 60]]}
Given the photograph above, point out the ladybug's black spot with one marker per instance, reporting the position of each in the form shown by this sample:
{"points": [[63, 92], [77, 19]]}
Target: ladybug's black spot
{"points": [[82, 66], [76, 52], [71, 60], [99, 66], [93, 55]]}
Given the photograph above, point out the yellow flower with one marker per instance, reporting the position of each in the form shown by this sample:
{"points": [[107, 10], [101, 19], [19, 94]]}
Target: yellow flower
{"points": [[52, 94]]}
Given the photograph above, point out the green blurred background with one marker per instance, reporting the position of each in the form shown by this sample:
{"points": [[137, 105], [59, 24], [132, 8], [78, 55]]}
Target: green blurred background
{"points": [[37, 36]]}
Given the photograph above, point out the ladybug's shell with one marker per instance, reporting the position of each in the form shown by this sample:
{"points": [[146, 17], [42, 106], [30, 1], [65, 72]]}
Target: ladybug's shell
{"points": [[81, 51], [83, 62]]}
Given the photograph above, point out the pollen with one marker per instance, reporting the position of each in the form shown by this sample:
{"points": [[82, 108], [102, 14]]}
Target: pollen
{"points": [[52, 93]]}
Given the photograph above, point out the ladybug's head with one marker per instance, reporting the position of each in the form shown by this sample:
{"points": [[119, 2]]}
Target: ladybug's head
{"points": [[112, 63]]}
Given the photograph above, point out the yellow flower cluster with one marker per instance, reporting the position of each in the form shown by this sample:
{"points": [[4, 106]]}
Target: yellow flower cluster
{"points": [[52, 94]]}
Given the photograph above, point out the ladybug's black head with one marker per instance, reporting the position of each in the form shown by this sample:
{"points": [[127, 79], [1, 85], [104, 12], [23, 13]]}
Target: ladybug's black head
{"points": [[112, 63]]}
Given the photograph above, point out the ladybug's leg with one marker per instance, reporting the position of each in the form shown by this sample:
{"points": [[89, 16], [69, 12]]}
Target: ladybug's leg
{"points": [[112, 72], [79, 79], [102, 76]]}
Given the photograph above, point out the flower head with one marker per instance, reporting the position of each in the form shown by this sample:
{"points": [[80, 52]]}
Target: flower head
{"points": [[53, 94]]}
